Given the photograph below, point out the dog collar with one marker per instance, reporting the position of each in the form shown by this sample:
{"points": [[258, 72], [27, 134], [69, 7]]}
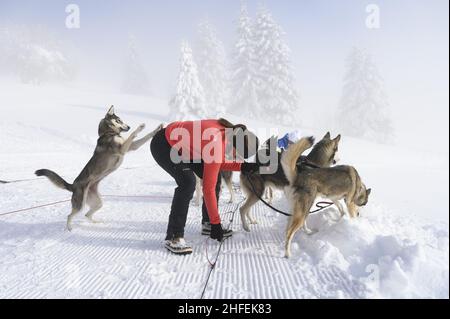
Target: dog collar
{"points": [[305, 162]]}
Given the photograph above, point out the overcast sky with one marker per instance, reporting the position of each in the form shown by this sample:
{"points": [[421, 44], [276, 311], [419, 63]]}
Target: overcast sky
{"points": [[410, 48]]}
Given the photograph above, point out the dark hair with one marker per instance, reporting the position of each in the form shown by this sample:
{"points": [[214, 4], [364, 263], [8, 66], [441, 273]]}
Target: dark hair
{"points": [[251, 141], [228, 124]]}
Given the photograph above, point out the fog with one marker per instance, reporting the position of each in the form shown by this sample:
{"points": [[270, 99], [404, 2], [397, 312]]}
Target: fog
{"points": [[410, 49]]}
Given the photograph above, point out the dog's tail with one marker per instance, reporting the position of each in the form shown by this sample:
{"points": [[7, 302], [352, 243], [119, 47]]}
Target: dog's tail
{"points": [[57, 180], [290, 157]]}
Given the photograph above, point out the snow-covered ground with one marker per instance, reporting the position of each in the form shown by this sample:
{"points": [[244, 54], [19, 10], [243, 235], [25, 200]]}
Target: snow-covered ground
{"points": [[398, 248]]}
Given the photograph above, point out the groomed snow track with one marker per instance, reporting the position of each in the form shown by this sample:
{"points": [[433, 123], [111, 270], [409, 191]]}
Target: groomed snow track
{"points": [[124, 258]]}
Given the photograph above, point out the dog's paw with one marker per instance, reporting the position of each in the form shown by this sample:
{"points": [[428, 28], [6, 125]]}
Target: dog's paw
{"points": [[253, 220], [245, 226], [156, 130], [140, 128], [310, 232], [93, 221]]}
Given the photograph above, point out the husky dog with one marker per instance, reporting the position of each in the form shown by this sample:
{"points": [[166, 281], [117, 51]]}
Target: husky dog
{"points": [[108, 156], [305, 185], [268, 195], [198, 191], [323, 155], [227, 179]]}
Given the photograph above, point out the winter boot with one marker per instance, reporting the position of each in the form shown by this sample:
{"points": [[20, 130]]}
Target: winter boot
{"points": [[178, 246]]}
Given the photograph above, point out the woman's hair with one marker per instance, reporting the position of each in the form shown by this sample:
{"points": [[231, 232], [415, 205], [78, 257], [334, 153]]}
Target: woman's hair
{"points": [[241, 133], [227, 124]]}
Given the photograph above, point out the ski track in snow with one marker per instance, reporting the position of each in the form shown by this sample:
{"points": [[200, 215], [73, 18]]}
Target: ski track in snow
{"points": [[124, 258]]}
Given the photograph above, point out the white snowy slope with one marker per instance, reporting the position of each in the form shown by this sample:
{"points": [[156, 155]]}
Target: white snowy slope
{"points": [[398, 248]]}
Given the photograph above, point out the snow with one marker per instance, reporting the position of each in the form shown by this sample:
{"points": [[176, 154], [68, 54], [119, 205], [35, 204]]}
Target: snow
{"points": [[399, 248]]}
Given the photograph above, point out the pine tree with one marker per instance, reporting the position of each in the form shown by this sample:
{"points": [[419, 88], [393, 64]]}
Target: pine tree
{"points": [[275, 79], [211, 60], [134, 77], [243, 78], [364, 104], [189, 99], [33, 54]]}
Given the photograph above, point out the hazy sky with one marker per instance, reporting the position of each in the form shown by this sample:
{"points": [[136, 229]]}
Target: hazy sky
{"points": [[410, 49]]}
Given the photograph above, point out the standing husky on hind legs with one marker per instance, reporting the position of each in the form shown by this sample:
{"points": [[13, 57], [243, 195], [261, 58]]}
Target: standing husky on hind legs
{"points": [[108, 156]]}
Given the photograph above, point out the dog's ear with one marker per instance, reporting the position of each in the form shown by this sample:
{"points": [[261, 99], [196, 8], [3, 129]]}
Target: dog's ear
{"points": [[274, 139], [327, 137], [368, 192], [111, 111], [338, 138]]}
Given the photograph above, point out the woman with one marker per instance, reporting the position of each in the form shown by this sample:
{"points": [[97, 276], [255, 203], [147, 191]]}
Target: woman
{"points": [[202, 148]]}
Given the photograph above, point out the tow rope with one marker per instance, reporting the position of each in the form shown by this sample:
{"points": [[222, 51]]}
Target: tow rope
{"points": [[213, 264], [20, 180], [68, 200], [320, 205]]}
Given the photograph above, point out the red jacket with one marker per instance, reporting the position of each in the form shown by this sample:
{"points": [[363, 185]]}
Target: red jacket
{"points": [[206, 142]]}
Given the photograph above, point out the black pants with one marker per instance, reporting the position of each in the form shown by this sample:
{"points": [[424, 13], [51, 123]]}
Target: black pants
{"points": [[183, 174]]}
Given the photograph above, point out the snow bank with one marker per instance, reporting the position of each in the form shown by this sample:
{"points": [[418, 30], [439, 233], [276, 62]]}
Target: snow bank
{"points": [[391, 256]]}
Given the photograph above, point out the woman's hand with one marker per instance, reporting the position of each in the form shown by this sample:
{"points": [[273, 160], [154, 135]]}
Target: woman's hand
{"points": [[217, 232]]}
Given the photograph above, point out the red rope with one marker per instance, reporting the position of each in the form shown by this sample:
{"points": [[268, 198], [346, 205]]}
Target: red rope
{"points": [[207, 256], [35, 207], [139, 196], [20, 181], [68, 200]]}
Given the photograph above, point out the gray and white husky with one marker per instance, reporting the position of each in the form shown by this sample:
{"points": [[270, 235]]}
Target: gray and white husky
{"points": [[324, 154], [108, 156], [306, 184]]}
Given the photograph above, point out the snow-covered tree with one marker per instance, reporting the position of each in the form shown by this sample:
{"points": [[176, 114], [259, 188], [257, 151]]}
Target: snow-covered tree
{"points": [[134, 77], [364, 104], [212, 67], [8, 45], [34, 55], [243, 77], [275, 80], [189, 99]]}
